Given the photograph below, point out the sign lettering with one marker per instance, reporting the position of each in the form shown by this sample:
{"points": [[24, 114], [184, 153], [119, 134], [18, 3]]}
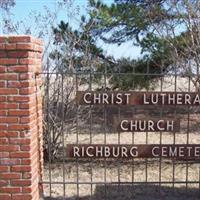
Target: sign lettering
{"points": [[134, 151], [150, 125], [138, 98]]}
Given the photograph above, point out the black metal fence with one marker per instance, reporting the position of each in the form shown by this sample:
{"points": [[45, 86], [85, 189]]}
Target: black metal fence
{"points": [[65, 123]]}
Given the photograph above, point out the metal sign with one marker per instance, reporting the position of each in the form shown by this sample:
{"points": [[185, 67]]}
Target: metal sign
{"points": [[138, 98], [138, 125], [134, 151]]}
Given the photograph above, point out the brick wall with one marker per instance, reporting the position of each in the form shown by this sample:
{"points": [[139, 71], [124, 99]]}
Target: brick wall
{"points": [[20, 118]]}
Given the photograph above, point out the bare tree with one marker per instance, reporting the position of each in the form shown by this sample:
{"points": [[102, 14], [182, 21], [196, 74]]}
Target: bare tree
{"points": [[182, 36], [59, 65]]}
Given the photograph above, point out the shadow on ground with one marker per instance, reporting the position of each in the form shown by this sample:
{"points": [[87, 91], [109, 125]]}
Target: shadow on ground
{"points": [[138, 192]]}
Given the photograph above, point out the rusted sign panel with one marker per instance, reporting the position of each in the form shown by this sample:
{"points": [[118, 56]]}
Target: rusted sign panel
{"points": [[147, 125], [182, 152], [138, 98]]}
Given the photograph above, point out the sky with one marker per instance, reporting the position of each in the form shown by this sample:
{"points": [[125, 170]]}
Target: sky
{"points": [[24, 7]]}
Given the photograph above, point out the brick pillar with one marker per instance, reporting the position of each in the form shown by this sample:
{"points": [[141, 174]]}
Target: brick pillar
{"points": [[20, 118]]}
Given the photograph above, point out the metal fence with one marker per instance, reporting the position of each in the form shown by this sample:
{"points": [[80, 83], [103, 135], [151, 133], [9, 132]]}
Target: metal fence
{"points": [[65, 123]]}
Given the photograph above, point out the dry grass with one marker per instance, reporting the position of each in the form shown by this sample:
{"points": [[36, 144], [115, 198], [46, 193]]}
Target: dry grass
{"points": [[139, 170]]}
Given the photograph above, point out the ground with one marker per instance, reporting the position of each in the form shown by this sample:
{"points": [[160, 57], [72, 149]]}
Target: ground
{"points": [[139, 170]]}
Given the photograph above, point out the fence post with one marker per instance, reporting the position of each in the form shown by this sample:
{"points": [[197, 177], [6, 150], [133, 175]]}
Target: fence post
{"points": [[20, 118]]}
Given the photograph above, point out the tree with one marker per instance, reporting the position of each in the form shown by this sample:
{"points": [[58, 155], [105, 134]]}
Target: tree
{"points": [[59, 87], [5, 10], [6, 4], [166, 30]]}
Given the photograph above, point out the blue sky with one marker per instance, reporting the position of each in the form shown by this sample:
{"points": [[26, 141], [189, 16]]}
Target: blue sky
{"points": [[24, 7]]}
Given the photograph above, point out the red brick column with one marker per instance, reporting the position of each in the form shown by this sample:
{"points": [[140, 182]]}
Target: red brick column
{"points": [[20, 118]]}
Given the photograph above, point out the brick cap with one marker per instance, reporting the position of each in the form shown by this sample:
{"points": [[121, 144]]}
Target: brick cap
{"points": [[20, 42], [20, 39]]}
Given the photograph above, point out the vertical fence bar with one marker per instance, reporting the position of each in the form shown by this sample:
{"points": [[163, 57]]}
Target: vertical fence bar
{"points": [[119, 138], [160, 159], [174, 138], [188, 133], [90, 114], [133, 139], [48, 130], [77, 132], [105, 138], [147, 134], [62, 132]]}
